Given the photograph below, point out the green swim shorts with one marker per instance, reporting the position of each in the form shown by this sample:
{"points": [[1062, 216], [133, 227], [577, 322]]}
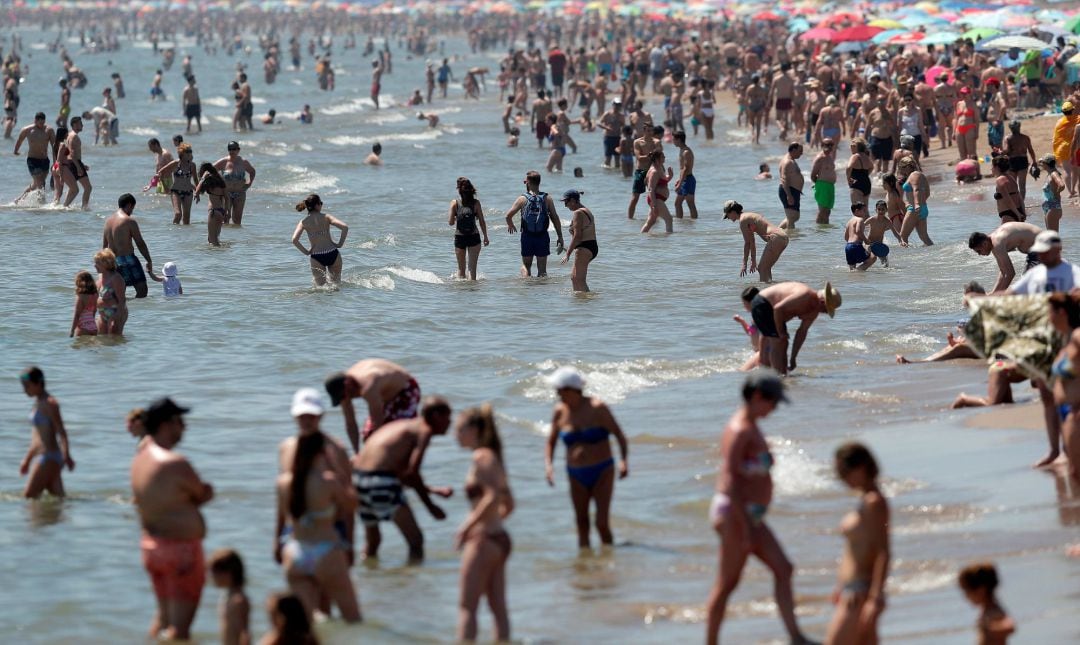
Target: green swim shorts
{"points": [[825, 194]]}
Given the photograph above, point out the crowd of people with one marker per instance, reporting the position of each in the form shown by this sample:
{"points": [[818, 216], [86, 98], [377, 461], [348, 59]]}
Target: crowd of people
{"points": [[884, 102]]}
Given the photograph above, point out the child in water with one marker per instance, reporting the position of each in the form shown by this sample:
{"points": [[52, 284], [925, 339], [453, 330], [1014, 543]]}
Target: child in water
{"points": [[979, 582], [83, 323], [748, 296], [626, 151], [305, 115], [763, 172], [289, 621], [234, 610], [170, 282], [515, 135]]}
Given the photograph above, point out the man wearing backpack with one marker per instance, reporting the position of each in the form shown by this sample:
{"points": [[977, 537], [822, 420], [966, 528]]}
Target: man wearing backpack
{"points": [[537, 212]]}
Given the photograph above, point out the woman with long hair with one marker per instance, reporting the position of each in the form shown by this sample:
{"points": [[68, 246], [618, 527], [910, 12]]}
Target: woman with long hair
{"points": [[751, 224], [916, 190], [656, 182], [864, 566], [483, 542], [310, 496], [324, 255], [1065, 318], [212, 184], [467, 216]]}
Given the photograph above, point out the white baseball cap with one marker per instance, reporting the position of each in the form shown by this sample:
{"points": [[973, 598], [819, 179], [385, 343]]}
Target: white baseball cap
{"points": [[169, 269], [566, 377], [307, 401], [1045, 241]]}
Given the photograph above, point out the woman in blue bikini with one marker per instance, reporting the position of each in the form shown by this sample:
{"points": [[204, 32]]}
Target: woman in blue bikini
{"points": [[1065, 318], [584, 424], [49, 449]]}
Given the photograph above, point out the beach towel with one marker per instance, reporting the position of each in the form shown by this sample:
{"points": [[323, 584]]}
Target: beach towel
{"points": [[1015, 328]]}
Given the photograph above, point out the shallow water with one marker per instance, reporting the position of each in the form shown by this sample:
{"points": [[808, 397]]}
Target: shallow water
{"points": [[654, 338]]}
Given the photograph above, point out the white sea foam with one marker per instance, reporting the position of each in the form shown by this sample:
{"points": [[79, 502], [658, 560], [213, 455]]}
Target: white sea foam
{"points": [[302, 180], [378, 282], [387, 117], [795, 472], [415, 275], [345, 140], [141, 132], [613, 382], [217, 101]]}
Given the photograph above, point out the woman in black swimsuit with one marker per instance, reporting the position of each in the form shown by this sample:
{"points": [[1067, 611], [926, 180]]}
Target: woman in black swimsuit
{"points": [[182, 170], [858, 171], [325, 259], [582, 239], [466, 215]]}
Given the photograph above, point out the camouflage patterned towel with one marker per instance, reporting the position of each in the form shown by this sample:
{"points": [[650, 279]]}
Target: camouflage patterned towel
{"points": [[1016, 328]]}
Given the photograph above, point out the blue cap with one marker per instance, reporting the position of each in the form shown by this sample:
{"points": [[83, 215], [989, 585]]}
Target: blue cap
{"points": [[571, 194]]}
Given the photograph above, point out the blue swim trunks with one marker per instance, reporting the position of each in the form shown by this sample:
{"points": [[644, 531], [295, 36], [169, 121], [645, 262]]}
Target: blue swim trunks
{"points": [[856, 253], [688, 186], [130, 270], [880, 250], [794, 204], [611, 144], [639, 181], [535, 244]]}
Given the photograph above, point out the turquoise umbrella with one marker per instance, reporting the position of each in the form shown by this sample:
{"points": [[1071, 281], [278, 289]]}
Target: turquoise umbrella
{"points": [[886, 35], [941, 38]]}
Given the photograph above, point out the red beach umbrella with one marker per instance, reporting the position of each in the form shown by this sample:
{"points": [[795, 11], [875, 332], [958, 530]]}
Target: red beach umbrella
{"points": [[818, 33], [858, 34], [907, 39], [767, 16], [840, 18]]}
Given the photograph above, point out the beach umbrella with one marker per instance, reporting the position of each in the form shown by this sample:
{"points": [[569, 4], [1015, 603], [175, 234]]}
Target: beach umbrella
{"points": [[798, 24], [907, 38], [818, 33], [766, 16], [1073, 24], [840, 18], [860, 33], [941, 38], [850, 46], [981, 33], [928, 7], [938, 70], [885, 23], [1012, 42], [886, 35]]}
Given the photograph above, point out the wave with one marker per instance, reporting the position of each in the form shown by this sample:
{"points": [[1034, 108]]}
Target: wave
{"points": [[389, 240], [345, 140], [615, 381], [383, 119], [377, 282], [415, 275], [141, 132], [217, 101], [795, 472], [302, 180]]}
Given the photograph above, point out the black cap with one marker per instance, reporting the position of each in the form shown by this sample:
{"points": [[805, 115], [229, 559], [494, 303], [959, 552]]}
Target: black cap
{"points": [[161, 411], [768, 383], [571, 194]]}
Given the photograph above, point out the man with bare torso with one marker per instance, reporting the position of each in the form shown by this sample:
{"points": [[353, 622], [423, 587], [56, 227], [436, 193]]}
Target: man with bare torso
{"points": [[168, 493], [823, 176], [781, 96], [121, 236], [390, 391], [791, 184], [774, 306], [391, 460], [643, 149], [1006, 238], [39, 139], [611, 122], [75, 165]]}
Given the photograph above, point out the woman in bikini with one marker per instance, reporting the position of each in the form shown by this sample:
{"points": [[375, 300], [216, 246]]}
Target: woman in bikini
{"points": [[916, 190], [1010, 205], [1065, 318], [656, 181], [585, 424], [182, 172], [238, 174], [1052, 190], [860, 591], [49, 448], [894, 200], [212, 184], [310, 495], [484, 543], [750, 224], [112, 302], [582, 240], [743, 492], [325, 259], [708, 110], [859, 166], [966, 125]]}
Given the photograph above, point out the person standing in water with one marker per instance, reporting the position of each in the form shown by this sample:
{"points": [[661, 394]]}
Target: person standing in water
{"points": [[50, 449], [483, 541], [217, 201], [774, 306], [582, 239], [750, 224], [466, 214], [686, 186], [121, 236], [325, 259], [860, 591], [744, 490], [181, 172], [390, 392], [239, 175], [192, 104], [537, 213], [585, 424], [791, 184], [168, 493], [823, 175], [39, 138]]}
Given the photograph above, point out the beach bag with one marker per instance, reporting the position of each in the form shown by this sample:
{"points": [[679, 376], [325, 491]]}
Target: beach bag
{"points": [[534, 217]]}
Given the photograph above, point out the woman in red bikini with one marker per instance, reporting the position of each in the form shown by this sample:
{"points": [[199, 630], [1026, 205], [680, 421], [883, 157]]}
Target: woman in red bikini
{"points": [[656, 182], [966, 125]]}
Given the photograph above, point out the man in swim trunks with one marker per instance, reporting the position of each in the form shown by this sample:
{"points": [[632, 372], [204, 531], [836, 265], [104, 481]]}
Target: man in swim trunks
{"points": [[192, 104], [1006, 238], [75, 165], [537, 216], [855, 237], [168, 493], [882, 128], [782, 92], [541, 108], [686, 185], [611, 122], [874, 231], [823, 174], [791, 184], [39, 138], [774, 306], [390, 461], [643, 149], [121, 236], [390, 391], [1021, 155], [162, 157]]}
